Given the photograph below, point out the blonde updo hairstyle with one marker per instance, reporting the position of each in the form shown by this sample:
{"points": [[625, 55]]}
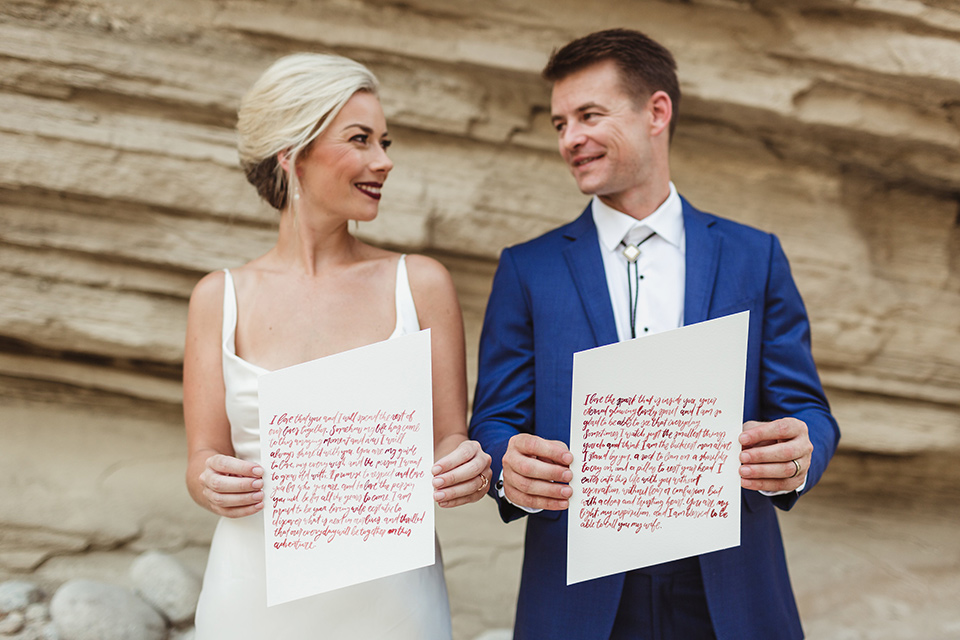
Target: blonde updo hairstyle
{"points": [[284, 112]]}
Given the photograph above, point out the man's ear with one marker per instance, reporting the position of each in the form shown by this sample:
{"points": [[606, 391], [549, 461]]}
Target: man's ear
{"points": [[660, 107]]}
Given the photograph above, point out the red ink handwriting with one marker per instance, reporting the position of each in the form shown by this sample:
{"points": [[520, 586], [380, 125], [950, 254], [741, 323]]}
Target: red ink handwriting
{"points": [[343, 475], [648, 459]]}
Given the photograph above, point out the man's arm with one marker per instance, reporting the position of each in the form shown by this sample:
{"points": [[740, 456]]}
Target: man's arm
{"points": [[534, 470], [800, 425]]}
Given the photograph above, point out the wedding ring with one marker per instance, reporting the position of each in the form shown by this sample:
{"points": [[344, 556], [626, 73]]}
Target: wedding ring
{"points": [[483, 483], [797, 465]]}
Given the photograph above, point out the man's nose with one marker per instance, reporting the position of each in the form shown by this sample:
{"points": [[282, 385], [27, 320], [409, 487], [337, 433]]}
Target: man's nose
{"points": [[572, 137]]}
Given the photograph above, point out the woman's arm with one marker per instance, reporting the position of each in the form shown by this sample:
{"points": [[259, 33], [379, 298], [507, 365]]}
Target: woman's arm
{"points": [[216, 479], [462, 469]]}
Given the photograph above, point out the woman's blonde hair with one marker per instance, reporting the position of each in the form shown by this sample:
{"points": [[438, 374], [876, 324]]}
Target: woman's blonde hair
{"points": [[286, 109]]}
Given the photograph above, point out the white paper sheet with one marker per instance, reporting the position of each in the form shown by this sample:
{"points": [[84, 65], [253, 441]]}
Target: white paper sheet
{"points": [[347, 445], [654, 435]]}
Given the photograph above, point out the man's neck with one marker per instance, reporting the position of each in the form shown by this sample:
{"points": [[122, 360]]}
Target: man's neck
{"points": [[640, 202]]}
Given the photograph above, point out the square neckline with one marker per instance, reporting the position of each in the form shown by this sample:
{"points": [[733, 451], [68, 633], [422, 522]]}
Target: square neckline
{"points": [[403, 302]]}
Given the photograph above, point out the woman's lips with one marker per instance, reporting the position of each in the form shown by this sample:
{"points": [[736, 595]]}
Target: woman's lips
{"points": [[371, 189]]}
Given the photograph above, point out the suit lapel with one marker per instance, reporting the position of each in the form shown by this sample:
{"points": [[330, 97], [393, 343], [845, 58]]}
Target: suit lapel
{"points": [[586, 267], [702, 261]]}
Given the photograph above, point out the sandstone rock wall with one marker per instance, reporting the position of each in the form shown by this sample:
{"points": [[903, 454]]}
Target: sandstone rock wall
{"points": [[834, 123]]}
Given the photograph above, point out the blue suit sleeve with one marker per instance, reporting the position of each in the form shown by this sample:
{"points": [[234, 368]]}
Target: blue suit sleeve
{"points": [[504, 400], [789, 380]]}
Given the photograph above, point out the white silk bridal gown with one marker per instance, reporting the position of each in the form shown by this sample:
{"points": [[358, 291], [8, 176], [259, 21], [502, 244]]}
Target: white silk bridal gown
{"points": [[233, 603]]}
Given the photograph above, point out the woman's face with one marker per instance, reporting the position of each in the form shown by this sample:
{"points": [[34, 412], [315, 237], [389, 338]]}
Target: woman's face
{"points": [[342, 172]]}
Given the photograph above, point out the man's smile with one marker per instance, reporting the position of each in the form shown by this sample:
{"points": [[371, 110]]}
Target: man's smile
{"points": [[580, 161]]}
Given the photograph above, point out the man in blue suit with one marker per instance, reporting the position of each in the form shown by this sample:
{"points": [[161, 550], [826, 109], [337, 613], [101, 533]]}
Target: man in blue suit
{"points": [[641, 259]]}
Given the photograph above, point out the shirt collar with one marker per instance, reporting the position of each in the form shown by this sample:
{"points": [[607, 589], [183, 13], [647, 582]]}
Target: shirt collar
{"points": [[666, 221]]}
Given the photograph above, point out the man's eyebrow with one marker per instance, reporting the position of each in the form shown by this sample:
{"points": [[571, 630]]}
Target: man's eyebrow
{"points": [[589, 106], [584, 107]]}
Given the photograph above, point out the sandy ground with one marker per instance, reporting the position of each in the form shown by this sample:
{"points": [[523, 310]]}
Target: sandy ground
{"points": [[88, 486]]}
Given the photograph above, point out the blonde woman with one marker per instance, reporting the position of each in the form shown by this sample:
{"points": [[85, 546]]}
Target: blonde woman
{"points": [[313, 141]]}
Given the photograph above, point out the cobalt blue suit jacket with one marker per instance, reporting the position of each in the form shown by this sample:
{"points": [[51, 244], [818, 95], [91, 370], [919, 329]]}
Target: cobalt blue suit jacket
{"points": [[550, 300]]}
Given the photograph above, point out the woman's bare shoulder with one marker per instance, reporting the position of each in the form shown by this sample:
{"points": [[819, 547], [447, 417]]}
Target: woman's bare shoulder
{"points": [[427, 272], [431, 284], [209, 289]]}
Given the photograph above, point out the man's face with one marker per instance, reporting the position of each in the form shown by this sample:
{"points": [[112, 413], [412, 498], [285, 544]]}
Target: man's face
{"points": [[603, 135]]}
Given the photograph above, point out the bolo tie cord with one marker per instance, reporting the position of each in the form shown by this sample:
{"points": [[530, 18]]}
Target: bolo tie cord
{"points": [[632, 253]]}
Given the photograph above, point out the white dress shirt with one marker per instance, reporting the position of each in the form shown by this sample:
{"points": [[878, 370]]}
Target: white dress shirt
{"points": [[661, 265]]}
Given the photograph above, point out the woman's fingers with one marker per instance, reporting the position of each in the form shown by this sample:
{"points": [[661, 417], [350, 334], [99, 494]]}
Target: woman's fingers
{"points": [[232, 487], [462, 475]]}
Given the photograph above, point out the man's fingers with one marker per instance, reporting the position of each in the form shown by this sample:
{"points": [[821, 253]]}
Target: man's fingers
{"points": [[772, 485], [537, 501], [535, 468], [774, 471], [536, 473], [537, 488], [755, 433], [778, 452], [535, 446]]}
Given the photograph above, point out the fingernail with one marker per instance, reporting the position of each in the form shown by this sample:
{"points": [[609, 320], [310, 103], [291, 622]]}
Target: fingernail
{"points": [[746, 471], [257, 484], [438, 496], [258, 471], [566, 492], [744, 457], [258, 496], [436, 469], [438, 482]]}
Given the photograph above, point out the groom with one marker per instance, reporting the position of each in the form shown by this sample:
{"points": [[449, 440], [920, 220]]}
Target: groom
{"points": [[641, 259]]}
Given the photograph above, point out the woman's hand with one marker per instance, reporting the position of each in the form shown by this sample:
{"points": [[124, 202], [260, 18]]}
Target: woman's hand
{"points": [[461, 476], [232, 487]]}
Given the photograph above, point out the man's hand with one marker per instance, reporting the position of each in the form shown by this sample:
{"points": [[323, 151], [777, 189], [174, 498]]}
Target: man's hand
{"points": [[536, 473], [769, 451]]}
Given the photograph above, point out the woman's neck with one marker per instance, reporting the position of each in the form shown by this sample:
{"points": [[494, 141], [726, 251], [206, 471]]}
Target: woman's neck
{"points": [[312, 246]]}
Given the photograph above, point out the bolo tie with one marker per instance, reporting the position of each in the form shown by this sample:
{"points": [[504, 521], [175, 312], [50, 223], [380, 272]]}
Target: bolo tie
{"points": [[632, 253]]}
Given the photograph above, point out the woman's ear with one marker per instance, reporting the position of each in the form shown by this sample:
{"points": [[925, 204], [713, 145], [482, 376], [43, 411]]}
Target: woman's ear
{"points": [[283, 159]]}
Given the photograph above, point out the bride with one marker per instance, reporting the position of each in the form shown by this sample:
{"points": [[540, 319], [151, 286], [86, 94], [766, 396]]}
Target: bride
{"points": [[313, 140]]}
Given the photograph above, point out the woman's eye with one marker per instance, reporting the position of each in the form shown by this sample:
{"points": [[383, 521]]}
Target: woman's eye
{"points": [[386, 144], [360, 137]]}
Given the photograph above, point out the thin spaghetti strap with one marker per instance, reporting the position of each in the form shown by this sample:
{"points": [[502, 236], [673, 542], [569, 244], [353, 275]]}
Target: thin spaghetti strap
{"points": [[407, 321], [229, 306]]}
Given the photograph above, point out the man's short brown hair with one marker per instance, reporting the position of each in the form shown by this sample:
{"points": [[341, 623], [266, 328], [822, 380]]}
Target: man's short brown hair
{"points": [[645, 65]]}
